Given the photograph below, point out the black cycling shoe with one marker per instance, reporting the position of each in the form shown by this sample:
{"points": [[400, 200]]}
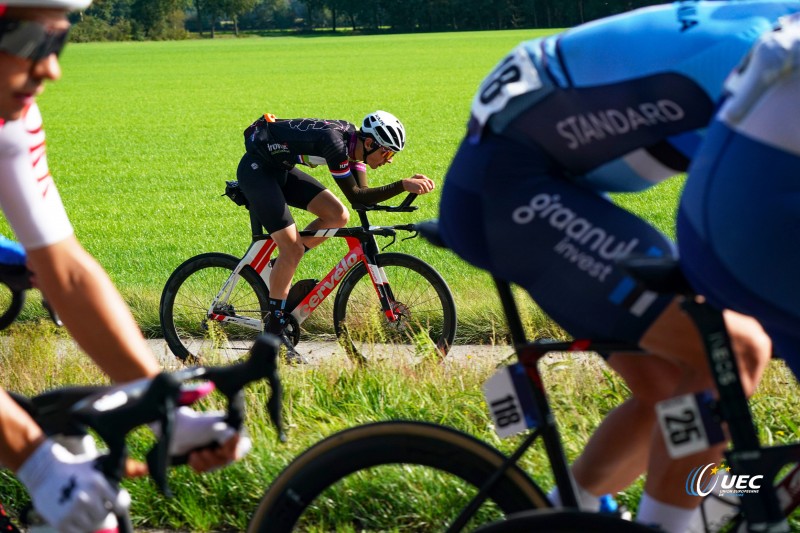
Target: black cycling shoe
{"points": [[291, 356], [294, 358]]}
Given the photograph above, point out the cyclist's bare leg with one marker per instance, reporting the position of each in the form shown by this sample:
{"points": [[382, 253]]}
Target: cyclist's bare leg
{"points": [[675, 336], [618, 451], [290, 248], [330, 212]]}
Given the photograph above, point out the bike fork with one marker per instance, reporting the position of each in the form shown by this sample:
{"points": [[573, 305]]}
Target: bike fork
{"points": [[379, 280]]}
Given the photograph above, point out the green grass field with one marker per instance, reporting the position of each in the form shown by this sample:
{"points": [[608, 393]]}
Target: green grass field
{"points": [[142, 136]]}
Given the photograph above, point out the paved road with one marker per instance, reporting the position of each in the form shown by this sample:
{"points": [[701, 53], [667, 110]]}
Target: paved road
{"points": [[317, 351]]}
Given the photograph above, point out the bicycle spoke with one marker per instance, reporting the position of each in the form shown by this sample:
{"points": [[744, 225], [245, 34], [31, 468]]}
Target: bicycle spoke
{"points": [[424, 321], [219, 333]]}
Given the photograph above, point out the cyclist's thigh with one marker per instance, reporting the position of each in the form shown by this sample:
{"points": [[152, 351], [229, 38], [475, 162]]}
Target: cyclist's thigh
{"points": [[262, 185], [557, 239], [650, 379], [301, 188]]}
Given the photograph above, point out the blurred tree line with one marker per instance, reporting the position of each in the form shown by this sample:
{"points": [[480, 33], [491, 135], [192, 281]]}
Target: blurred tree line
{"points": [[178, 19]]}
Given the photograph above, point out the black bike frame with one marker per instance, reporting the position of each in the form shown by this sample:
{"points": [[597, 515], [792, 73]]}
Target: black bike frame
{"points": [[761, 509], [529, 354]]}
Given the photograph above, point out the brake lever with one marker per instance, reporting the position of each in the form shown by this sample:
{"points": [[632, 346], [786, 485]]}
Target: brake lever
{"points": [[394, 239], [414, 235], [262, 364], [158, 458]]}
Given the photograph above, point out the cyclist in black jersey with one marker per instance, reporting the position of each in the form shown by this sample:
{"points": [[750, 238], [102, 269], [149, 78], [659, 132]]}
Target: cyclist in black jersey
{"points": [[270, 179]]}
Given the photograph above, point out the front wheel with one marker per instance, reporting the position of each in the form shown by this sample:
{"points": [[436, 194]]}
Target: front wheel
{"points": [[209, 313], [565, 522], [410, 475], [420, 299], [11, 304]]}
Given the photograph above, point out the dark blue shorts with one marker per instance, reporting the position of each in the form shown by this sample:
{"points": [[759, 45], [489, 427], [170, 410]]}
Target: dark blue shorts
{"points": [[508, 209], [739, 233]]}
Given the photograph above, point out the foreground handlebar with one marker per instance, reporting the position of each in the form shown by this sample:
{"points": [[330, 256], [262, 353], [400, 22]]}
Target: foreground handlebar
{"points": [[117, 410]]}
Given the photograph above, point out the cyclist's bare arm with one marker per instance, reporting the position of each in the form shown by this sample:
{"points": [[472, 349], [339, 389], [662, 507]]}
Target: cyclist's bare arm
{"points": [[19, 434], [92, 309], [100, 321]]}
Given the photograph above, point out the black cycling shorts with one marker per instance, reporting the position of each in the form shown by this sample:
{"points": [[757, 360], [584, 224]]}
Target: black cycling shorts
{"points": [[271, 189]]}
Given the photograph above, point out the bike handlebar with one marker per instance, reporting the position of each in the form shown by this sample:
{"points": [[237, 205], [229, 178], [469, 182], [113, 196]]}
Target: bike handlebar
{"points": [[17, 278], [114, 411], [404, 206]]}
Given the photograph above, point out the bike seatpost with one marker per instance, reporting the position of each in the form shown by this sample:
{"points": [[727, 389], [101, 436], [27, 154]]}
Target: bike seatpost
{"points": [[255, 225]]}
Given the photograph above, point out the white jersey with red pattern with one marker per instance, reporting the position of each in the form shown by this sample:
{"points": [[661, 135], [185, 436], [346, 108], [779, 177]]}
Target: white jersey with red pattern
{"points": [[28, 195]]}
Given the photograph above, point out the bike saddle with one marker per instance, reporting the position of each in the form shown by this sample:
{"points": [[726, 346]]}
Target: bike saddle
{"points": [[658, 274]]}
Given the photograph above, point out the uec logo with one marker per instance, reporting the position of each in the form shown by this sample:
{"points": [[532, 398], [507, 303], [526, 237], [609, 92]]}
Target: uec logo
{"points": [[696, 485]]}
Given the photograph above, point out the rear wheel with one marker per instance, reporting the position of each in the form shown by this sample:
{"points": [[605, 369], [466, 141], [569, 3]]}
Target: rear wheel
{"points": [[422, 302], [410, 470], [195, 328]]}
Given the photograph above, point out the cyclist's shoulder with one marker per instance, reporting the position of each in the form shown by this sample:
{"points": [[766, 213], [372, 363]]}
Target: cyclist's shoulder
{"points": [[309, 125], [23, 134], [668, 38], [688, 18]]}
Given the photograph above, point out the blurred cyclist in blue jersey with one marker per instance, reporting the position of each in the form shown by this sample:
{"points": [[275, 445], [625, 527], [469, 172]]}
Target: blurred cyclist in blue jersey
{"points": [[616, 105], [739, 217]]}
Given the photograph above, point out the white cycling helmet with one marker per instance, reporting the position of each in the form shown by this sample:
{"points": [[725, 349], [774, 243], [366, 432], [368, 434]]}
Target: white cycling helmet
{"points": [[385, 129], [69, 5]]}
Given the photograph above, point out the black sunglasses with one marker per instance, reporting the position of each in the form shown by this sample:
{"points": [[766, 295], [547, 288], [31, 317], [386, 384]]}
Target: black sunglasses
{"points": [[30, 40]]}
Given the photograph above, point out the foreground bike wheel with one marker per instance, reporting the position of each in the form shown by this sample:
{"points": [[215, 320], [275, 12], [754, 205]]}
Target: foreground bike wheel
{"points": [[422, 299], [402, 470], [190, 332], [564, 522]]}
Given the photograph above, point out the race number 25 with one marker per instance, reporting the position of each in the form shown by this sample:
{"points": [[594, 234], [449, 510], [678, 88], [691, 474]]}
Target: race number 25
{"points": [[685, 428]]}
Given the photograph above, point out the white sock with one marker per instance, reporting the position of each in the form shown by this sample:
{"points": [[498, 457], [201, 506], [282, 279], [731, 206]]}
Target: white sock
{"points": [[716, 511], [586, 500], [668, 517]]}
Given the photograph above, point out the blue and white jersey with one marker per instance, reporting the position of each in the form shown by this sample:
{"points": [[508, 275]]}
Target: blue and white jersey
{"points": [[622, 103]]}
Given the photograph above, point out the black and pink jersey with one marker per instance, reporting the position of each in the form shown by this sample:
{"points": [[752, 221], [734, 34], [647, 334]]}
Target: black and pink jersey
{"points": [[306, 141]]}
